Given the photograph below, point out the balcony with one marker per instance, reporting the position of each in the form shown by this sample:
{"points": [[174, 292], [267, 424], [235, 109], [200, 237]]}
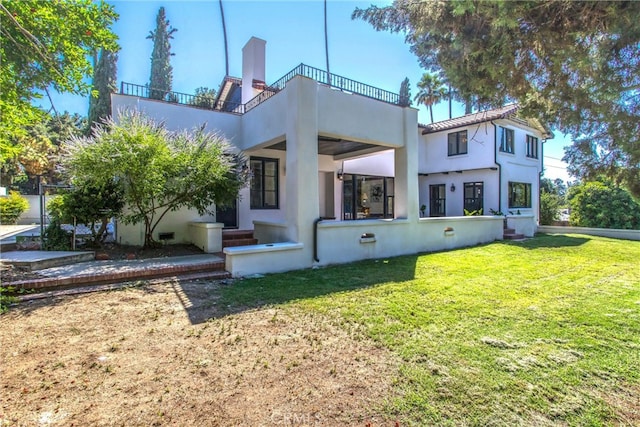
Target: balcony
{"points": [[335, 81]]}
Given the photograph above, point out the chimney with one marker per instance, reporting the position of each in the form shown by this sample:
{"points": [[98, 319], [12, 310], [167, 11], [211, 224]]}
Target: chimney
{"points": [[253, 68]]}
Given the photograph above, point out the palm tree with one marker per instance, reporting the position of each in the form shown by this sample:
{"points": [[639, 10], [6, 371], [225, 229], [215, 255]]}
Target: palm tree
{"points": [[224, 32], [432, 91]]}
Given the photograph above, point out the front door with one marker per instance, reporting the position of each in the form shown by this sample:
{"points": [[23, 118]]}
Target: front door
{"points": [[228, 215]]}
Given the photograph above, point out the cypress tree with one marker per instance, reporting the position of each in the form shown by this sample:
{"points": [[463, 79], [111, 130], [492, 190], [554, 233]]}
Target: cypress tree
{"points": [[161, 70], [104, 84]]}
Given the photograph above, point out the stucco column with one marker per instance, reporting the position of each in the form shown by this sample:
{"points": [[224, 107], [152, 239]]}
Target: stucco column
{"points": [[302, 199], [406, 169]]}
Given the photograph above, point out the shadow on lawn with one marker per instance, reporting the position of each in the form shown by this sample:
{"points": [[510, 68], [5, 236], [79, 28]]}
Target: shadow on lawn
{"points": [[549, 241], [207, 300]]}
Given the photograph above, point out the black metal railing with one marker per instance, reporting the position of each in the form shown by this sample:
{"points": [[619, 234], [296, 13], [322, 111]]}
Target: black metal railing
{"points": [[321, 76], [179, 98], [333, 80]]}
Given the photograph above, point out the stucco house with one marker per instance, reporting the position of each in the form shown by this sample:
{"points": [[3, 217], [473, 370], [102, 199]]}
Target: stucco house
{"points": [[340, 170]]}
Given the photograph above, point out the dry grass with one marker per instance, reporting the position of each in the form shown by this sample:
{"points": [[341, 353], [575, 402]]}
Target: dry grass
{"points": [[144, 356]]}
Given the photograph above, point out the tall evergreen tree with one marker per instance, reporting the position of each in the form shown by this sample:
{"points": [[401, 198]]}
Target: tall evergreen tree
{"points": [[104, 83], [405, 93], [161, 70]]}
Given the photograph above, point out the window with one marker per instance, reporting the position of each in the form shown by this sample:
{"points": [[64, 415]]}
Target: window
{"points": [[519, 195], [532, 147], [437, 200], [457, 143], [473, 197], [506, 140], [264, 183]]}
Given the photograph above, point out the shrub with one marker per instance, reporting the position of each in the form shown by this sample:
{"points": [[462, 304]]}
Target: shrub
{"points": [[549, 208], [6, 300], [55, 238], [602, 205], [11, 207]]}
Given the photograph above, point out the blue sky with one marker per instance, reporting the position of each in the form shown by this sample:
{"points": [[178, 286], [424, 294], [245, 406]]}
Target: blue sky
{"points": [[294, 31]]}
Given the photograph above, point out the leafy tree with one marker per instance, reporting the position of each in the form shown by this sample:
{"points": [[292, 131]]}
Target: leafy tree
{"points": [[204, 97], [405, 93], [104, 84], [161, 70], [157, 170], [432, 91], [556, 187], [45, 44], [36, 152], [572, 64], [603, 205]]}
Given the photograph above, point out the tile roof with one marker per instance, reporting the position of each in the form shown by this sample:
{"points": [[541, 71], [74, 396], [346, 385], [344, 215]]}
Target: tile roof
{"points": [[471, 119]]}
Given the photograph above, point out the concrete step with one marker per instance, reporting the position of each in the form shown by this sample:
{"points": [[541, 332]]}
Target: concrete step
{"points": [[513, 236], [39, 260], [239, 242], [211, 270]]}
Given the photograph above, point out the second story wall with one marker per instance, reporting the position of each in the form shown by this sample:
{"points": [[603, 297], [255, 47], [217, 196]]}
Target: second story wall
{"points": [[436, 156]]}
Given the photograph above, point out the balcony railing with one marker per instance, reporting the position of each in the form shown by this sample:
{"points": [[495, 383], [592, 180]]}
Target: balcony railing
{"points": [[321, 76], [179, 98]]}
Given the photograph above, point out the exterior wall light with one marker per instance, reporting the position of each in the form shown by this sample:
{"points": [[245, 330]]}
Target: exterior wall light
{"points": [[453, 188], [340, 174]]}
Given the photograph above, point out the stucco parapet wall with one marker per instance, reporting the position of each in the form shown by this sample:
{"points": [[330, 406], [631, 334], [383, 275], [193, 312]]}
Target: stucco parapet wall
{"points": [[267, 247], [602, 232]]}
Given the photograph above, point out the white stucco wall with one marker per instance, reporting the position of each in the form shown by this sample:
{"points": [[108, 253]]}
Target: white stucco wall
{"points": [[455, 199], [340, 242], [517, 167], [378, 164], [176, 222], [359, 118]]}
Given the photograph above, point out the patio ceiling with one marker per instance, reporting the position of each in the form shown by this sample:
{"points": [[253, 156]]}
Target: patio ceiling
{"points": [[336, 147]]}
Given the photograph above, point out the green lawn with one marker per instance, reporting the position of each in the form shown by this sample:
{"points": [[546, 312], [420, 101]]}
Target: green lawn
{"points": [[540, 332]]}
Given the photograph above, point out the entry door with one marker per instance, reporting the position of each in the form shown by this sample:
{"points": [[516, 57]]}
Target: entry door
{"points": [[437, 200], [228, 215], [473, 196]]}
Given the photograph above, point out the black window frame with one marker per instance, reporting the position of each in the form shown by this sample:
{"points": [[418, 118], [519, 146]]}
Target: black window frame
{"points": [[507, 145], [532, 147], [513, 196], [353, 207], [458, 143], [262, 188]]}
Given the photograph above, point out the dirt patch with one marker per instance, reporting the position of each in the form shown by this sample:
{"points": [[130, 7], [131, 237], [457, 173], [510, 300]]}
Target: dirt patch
{"points": [[136, 357]]}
